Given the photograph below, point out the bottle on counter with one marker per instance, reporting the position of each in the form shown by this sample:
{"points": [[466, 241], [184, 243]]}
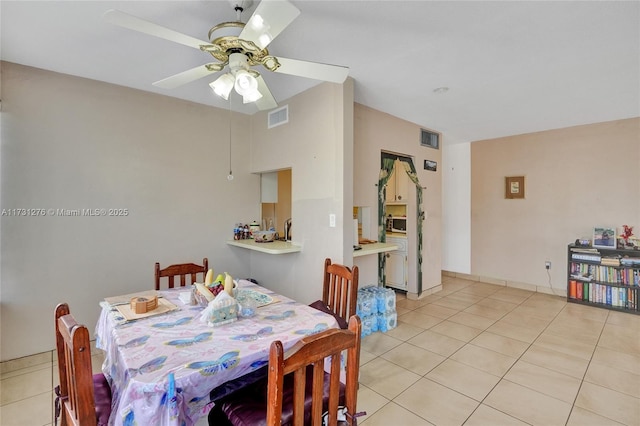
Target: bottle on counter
{"points": [[254, 227], [237, 231]]}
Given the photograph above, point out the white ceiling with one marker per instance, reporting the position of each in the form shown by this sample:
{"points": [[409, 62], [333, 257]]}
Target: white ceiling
{"points": [[511, 67]]}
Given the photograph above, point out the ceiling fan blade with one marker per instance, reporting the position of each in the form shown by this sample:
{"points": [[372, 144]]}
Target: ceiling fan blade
{"points": [[268, 20], [267, 101], [186, 76], [125, 20], [316, 70]]}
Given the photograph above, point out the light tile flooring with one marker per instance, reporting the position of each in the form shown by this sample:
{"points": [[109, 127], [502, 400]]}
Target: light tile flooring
{"points": [[474, 354], [481, 354]]}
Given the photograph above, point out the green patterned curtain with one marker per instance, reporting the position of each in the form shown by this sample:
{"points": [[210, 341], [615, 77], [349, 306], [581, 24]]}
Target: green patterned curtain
{"points": [[411, 172], [387, 164]]}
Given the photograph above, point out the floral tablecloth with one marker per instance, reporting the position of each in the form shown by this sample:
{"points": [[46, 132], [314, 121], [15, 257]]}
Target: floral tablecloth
{"points": [[141, 354]]}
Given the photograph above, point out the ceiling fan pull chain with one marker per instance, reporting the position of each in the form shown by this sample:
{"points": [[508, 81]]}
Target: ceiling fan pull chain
{"points": [[230, 175], [239, 9]]}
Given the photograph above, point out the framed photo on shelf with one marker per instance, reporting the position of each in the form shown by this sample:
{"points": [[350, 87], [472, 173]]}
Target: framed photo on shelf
{"points": [[514, 187], [604, 238]]}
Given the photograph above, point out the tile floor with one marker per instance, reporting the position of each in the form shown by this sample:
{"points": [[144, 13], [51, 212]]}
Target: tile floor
{"points": [[474, 354], [481, 354]]}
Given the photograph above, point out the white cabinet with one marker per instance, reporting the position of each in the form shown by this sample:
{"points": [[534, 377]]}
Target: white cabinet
{"points": [[269, 187], [398, 185], [396, 264]]}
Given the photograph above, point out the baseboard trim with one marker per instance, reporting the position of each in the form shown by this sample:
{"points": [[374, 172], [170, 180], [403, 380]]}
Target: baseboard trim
{"points": [[506, 283]]}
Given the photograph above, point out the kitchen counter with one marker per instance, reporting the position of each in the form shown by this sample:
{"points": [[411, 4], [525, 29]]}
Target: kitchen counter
{"points": [[275, 247], [396, 235], [374, 248]]}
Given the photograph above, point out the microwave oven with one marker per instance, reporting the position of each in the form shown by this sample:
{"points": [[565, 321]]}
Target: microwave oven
{"points": [[397, 224]]}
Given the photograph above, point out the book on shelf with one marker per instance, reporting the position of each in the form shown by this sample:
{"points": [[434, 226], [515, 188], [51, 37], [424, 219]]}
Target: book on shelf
{"points": [[584, 250], [610, 261], [573, 284], [587, 257], [579, 290], [630, 261], [582, 277], [585, 291]]}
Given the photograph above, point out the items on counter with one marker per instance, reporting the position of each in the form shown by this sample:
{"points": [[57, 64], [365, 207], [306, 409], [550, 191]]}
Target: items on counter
{"points": [[244, 232], [253, 228], [254, 231], [264, 236]]}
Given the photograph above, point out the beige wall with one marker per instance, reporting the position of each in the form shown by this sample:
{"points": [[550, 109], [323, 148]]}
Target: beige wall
{"points": [[376, 132], [576, 178], [317, 144], [73, 143]]}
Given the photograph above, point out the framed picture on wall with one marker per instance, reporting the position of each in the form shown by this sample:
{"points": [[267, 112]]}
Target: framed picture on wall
{"points": [[432, 166], [604, 237], [514, 187]]}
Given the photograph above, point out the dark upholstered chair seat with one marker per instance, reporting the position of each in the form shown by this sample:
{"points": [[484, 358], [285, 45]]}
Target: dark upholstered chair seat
{"points": [[248, 407], [102, 397], [321, 306], [238, 384]]}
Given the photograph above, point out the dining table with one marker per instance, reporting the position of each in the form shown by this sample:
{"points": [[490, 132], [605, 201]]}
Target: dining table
{"points": [[162, 368]]}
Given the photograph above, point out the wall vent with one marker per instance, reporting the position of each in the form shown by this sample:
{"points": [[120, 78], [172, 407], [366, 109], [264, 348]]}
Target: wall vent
{"points": [[278, 117], [430, 139]]}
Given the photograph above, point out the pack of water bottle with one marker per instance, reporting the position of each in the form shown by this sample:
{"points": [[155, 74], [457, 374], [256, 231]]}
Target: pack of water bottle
{"points": [[376, 307]]}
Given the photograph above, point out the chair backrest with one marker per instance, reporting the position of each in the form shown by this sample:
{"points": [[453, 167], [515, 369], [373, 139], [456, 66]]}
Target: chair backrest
{"points": [[309, 355], [74, 366], [340, 289], [181, 270]]}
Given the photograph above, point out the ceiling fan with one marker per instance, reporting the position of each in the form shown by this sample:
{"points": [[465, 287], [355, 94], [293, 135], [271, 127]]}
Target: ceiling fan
{"points": [[238, 47]]}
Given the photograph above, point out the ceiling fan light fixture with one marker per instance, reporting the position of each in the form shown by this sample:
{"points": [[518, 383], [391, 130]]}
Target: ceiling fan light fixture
{"points": [[245, 83], [223, 85], [251, 97]]}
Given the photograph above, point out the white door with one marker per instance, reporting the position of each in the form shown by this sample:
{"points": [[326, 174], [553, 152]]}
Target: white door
{"points": [[396, 264], [395, 268]]}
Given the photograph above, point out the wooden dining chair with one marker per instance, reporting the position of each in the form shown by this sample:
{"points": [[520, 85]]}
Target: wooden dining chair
{"points": [[181, 270], [340, 289], [299, 391], [83, 398]]}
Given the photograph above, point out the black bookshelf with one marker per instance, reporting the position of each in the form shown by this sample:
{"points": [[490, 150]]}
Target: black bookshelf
{"points": [[605, 278]]}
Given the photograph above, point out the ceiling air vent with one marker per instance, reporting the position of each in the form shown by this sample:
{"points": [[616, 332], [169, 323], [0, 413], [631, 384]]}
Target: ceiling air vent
{"points": [[278, 117], [430, 139]]}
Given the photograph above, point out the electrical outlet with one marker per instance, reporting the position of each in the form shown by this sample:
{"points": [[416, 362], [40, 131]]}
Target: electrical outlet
{"points": [[547, 265], [332, 220]]}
